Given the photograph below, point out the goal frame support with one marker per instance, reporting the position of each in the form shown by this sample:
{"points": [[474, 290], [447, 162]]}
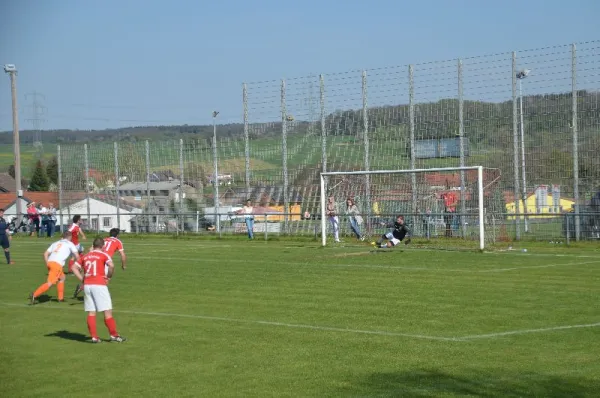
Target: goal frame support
{"points": [[480, 209]]}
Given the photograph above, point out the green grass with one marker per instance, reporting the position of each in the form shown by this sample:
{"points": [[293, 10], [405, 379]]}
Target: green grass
{"points": [[209, 317], [29, 156]]}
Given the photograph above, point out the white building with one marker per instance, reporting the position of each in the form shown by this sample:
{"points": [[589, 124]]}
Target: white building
{"points": [[102, 217], [11, 210]]}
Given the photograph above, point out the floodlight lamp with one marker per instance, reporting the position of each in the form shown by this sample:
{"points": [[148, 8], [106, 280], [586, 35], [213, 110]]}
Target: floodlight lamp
{"points": [[523, 74], [8, 68]]}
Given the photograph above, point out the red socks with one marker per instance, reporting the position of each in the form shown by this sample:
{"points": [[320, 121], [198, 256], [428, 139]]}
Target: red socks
{"points": [[111, 325], [91, 323]]}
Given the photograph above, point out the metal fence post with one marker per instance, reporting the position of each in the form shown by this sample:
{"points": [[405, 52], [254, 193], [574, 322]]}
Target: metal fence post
{"points": [[60, 189], [266, 228], [246, 139], [284, 118], [87, 183], [516, 147], [323, 130], [411, 108], [181, 180], [117, 185], [575, 141], [461, 137], [365, 114], [567, 229], [148, 186]]}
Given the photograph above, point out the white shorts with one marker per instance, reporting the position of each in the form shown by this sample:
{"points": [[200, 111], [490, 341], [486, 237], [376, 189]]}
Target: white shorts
{"points": [[390, 236], [96, 298], [79, 248]]}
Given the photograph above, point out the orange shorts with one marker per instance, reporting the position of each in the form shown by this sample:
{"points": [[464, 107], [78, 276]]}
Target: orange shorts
{"points": [[55, 272]]}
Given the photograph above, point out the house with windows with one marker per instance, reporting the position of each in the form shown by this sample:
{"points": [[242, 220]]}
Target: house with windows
{"points": [[161, 193], [103, 214]]}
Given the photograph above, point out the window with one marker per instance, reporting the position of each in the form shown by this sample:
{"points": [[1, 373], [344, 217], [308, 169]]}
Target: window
{"points": [[161, 209], [106, 222], [94, 223]]}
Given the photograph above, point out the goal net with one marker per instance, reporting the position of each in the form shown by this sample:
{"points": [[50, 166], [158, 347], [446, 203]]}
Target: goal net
{"points": [[451, 208]]}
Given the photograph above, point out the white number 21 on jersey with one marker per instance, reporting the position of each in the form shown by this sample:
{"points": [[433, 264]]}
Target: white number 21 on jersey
{"points": [[90, 268]]}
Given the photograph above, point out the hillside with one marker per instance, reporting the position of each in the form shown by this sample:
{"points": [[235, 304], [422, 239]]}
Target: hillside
{"points": [[488, 128], [543, 112]]}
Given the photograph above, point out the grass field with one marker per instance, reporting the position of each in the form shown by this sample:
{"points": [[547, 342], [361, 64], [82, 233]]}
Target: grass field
{"points": [[280, 318]]}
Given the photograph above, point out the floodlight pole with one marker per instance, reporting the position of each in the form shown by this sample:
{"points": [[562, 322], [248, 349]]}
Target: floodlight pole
{"points": [[520, 77], [17, 146], [216, 172]]}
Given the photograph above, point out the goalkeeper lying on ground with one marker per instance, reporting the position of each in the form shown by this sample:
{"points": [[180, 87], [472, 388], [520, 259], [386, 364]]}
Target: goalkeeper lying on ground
{"points": [[394, 237]]}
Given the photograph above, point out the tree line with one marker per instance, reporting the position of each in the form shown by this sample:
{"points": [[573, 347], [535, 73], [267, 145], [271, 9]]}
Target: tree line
{"points": [[43, 178], [432, 120]]}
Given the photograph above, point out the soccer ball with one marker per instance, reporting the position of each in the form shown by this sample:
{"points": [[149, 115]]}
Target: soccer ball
{"points": [[289, 118]]}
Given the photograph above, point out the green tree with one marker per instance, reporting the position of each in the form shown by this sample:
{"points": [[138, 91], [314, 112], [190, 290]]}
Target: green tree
{"points": [[11, 170], [39, 179], [52, 170]]}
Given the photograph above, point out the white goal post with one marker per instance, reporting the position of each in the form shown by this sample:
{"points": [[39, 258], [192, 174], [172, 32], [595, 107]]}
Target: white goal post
{"points": [[367, 188]]}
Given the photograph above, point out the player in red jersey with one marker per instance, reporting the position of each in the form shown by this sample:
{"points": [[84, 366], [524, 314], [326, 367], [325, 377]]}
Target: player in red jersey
{"points": [[112, 244], [75, 230], [98, 268]]}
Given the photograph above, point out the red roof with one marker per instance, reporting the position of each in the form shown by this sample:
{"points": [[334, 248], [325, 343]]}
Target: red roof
{"points": [[41, 197], [8, 198], [98, 175]]}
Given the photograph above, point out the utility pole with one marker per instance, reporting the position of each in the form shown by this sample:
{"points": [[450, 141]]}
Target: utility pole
{"points": [[12, 71], [37, 111]]}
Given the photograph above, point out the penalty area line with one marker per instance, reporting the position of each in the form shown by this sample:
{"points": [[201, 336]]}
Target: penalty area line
{"points": [[258, 322], [331, 328]]}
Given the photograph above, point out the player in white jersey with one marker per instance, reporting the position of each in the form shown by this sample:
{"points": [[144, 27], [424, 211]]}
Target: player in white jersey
{"points": [[55, 257]]}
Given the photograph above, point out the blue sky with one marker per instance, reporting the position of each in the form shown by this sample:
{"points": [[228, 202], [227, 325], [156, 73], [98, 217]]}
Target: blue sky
{"points": [[119, 63]]}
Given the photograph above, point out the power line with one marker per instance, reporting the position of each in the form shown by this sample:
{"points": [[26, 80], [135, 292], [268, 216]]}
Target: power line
{"points": [[38, 110]]}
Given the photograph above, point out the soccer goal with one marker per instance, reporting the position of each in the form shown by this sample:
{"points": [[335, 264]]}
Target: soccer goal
{"points": [[442, 207]]}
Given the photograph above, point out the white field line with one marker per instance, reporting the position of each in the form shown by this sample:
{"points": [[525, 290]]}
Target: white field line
{"points": [[518, 253], [540, 266], [329, 328], [258, 322], [527, 331], [463, 270]]}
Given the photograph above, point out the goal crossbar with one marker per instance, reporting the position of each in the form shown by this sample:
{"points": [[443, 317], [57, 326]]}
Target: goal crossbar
{"points": [[405, 171]]}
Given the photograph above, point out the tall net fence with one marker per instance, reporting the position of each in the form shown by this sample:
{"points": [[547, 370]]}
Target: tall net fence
{"points": [[531, 115]]}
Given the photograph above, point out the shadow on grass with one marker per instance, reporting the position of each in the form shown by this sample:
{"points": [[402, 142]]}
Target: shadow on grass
{"points": [[433, 383], [64, 334], [79, 300], [44, 298]]}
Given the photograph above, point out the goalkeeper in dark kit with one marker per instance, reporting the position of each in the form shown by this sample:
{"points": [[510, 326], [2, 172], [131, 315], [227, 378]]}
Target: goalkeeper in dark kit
{"points": [[399, 233]]}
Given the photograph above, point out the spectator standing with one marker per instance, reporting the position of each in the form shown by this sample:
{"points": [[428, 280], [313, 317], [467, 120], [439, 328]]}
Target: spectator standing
{"points": [[34, 219], [51, 223], [354, 217], [333, 217]]}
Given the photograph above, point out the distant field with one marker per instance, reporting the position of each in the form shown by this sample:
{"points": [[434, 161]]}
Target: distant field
{"points": [[28, 156], [229, 317], [266, 156]]}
